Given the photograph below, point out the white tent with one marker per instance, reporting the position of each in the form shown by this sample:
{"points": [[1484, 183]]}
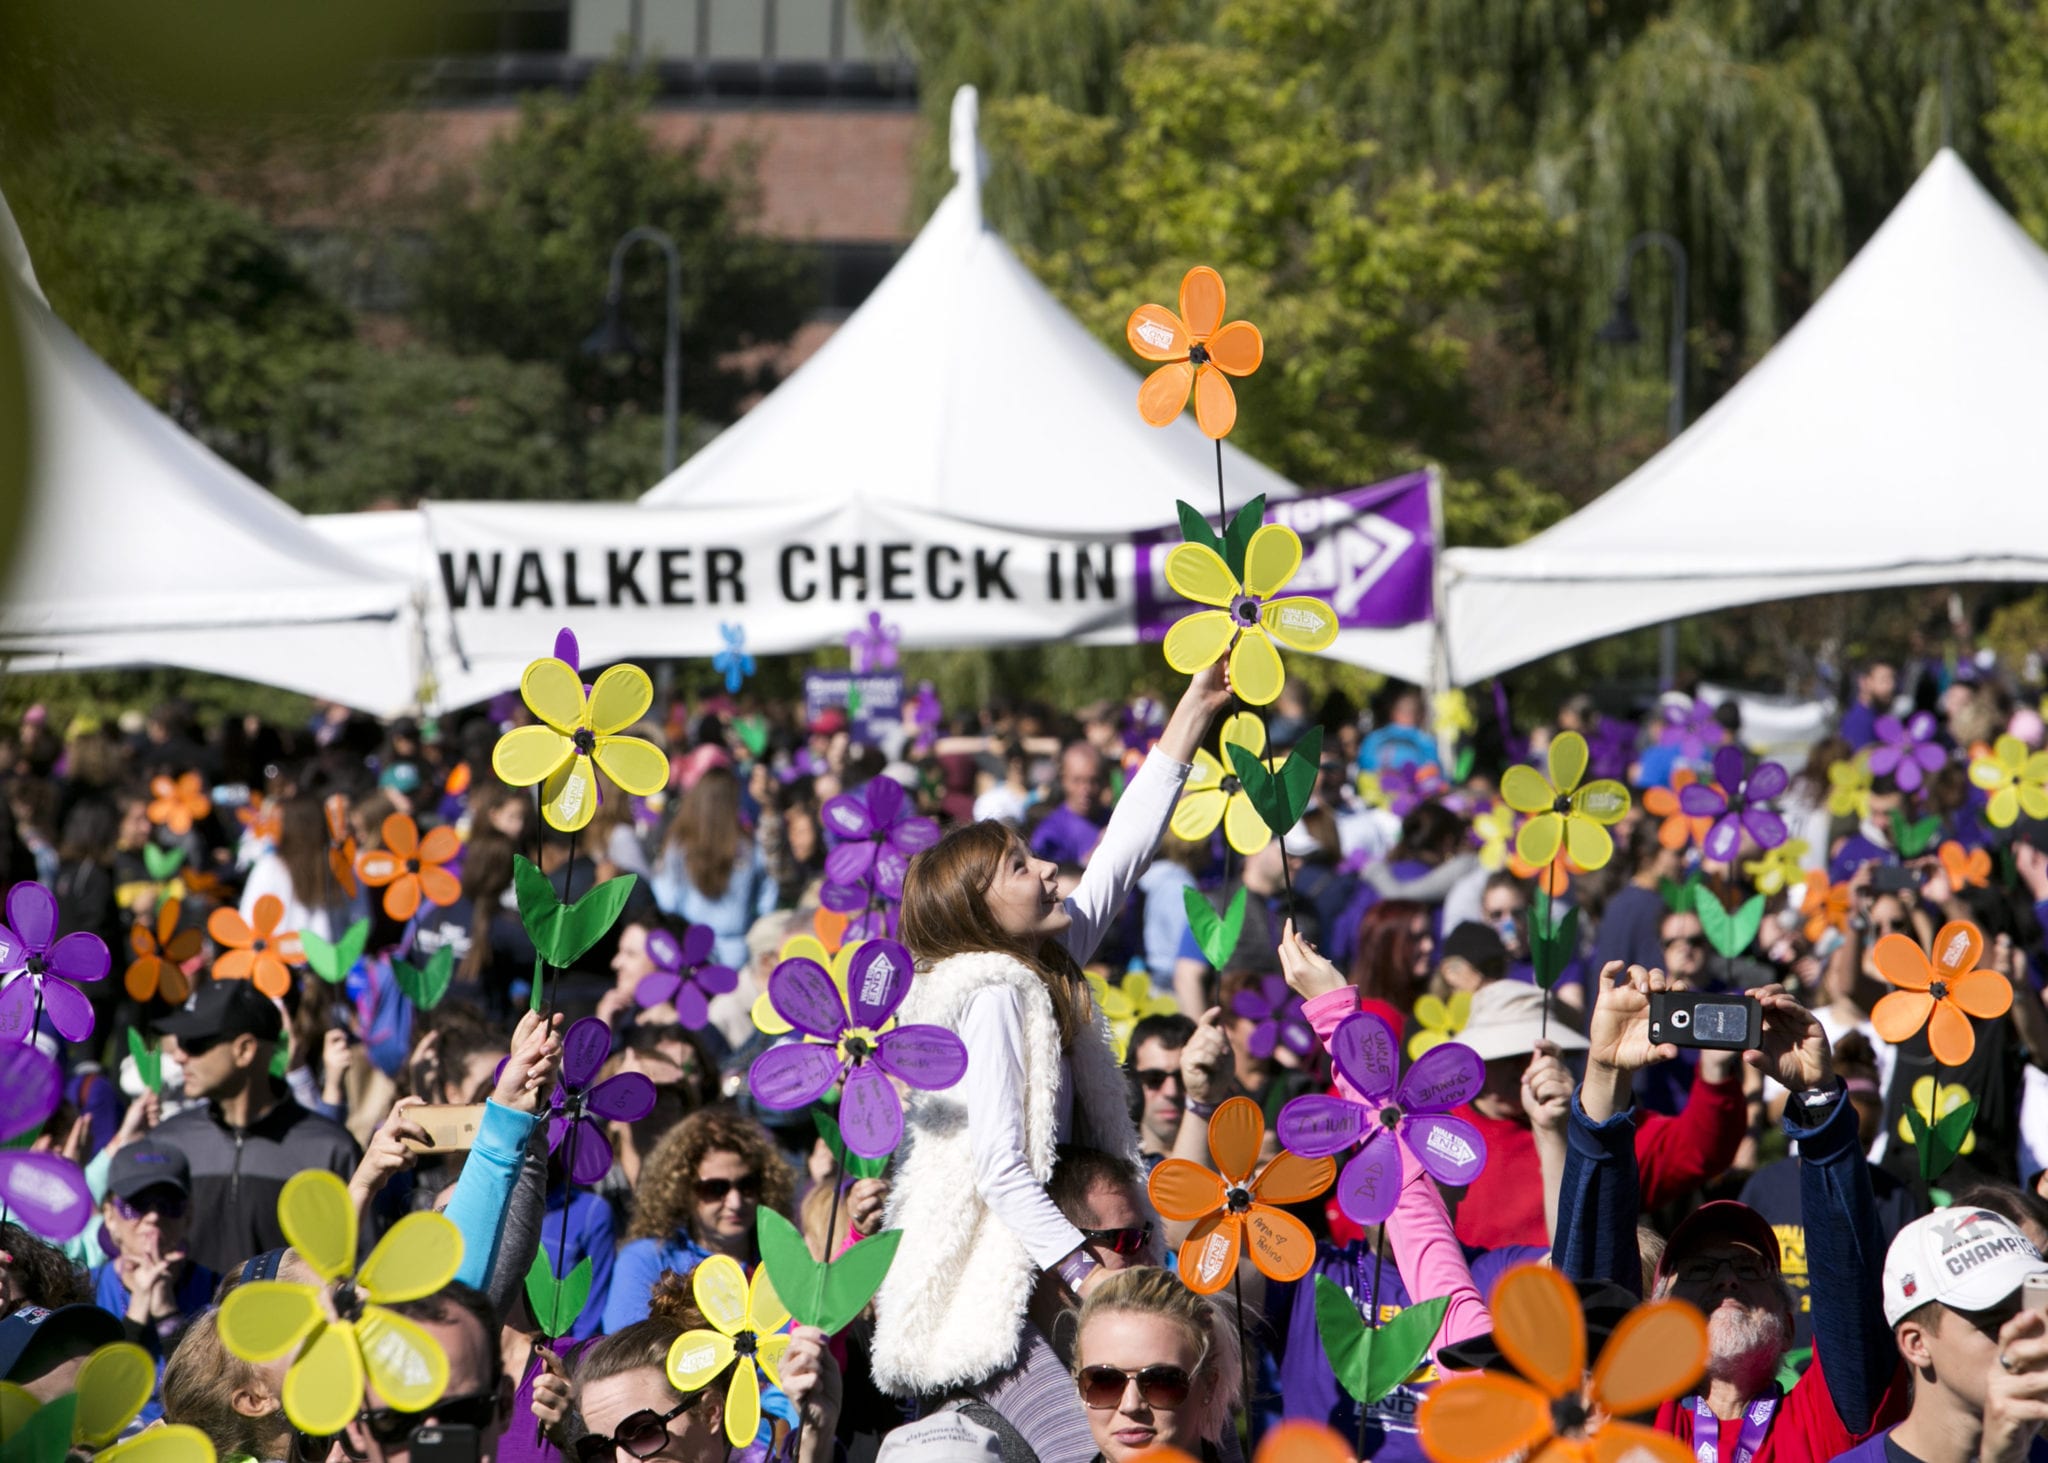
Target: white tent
{"points": [[141, 547], [1897, 435]]}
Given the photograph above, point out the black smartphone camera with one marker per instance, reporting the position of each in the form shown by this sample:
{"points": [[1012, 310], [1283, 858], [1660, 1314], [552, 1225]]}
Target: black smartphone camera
{"points": [[1706, 1020], [452, 1443], [1893, 879]]}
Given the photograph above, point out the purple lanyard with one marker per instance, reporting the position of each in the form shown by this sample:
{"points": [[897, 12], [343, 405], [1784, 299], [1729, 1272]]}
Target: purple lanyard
{"points": [[1706, 1429]]}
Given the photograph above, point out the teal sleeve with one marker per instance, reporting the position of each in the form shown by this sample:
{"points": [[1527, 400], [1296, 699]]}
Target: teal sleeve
{"points": [[483, 1192]]}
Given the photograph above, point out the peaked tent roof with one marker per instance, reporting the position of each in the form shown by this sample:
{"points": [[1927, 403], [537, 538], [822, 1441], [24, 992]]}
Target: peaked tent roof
{"points": [[1896, 435], [962, 386], [141, 547]]}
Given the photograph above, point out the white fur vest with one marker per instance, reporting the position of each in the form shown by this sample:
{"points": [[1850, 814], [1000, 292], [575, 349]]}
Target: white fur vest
{"points": [[950, 1312]]}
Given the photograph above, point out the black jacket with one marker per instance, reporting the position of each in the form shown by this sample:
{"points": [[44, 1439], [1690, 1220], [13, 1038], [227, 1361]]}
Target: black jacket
{"points": [[237, 1174]]}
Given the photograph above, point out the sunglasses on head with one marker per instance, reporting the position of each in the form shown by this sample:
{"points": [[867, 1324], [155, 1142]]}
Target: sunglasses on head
{"points": [[1163, 1387], [1127, 1241], [392, 1427], [1154, 1078], [713, 1191], [641, 1434]]}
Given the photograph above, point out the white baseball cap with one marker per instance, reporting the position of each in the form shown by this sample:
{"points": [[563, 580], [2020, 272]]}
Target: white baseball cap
{"points": [[1968, 1259], [1507, 1019]]}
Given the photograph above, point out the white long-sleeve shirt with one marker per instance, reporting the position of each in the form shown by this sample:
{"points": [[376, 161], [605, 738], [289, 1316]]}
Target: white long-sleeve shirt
{"points": [[992, 1026]]}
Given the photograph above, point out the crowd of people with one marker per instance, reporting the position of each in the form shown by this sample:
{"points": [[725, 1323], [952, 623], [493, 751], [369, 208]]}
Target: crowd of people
{"points": [[1860, 1299]]}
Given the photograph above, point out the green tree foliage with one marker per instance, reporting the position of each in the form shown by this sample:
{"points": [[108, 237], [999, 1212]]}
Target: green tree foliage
{"points": [[520, 251]]}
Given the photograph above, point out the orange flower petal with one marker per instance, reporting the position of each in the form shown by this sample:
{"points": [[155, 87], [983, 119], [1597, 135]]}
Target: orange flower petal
{"points": [[272, 977], [1290, 1178], [402, 835], [1281, 1245], [1184, 1191], [341, 864], [1958, 945], [1237, 1130], [1660, 802], [440, 845], [830, 927], [1155, 333], [1301, 1442], [1209, 1255], [1539, 1327], [265, 916], [1215, 403], [1628, 1440], [1982, 993], [1237, 348], [1201, 301], [1900, 1014], [1656, 1352], [1165, 393], [234, 965], [1899, 960], [402, 898], [141, 941], [1674, 833], [1949, 1034], [172, 985], [378, 867], [438, 885], [182, 947], [1482, 1418], [142, 977], [227, 927]]}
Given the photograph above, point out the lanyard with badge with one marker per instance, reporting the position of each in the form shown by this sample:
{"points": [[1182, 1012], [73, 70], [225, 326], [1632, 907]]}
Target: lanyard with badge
{"points": [[1706, 1429]]}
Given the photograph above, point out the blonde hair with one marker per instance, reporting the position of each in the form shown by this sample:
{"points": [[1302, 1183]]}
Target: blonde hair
{"points": [[200, 1382], [1206, 1321]]}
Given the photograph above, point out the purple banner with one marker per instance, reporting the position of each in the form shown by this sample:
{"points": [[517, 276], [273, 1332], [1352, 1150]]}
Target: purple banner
{"points": [[1366, 550]]}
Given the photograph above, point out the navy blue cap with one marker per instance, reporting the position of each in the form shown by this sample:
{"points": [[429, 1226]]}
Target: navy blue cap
{"points": [[34, 1341], [145, 1165]]}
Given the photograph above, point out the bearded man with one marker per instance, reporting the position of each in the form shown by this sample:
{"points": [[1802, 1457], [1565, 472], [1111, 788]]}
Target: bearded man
{"points": [[1724, 1258]]}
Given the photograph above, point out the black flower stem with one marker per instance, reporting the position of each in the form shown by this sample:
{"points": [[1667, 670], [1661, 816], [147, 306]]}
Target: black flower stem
{"points": [[540, 963], [568, 898], [1222, 509]]}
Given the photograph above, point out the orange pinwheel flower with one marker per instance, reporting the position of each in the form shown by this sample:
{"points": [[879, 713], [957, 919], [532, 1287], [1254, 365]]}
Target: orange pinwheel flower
{"points": [[341, 845], [829, 925], [178, 805], [1942, 994], [1825, 905], [1676, 830], [1970, 870], [1200, 349], [409, 866], [260, 954], [1293, 1441], [1656, 1352], [160, 956], [262, 818], [459, 777], [1235, 1212]]}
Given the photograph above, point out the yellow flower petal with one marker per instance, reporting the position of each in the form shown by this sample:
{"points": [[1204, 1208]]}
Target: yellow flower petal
{"points": [[765, 1310], [618, 698], [1568, 758], [1605, 801], [417, 1256], [767, 1020], [1538, 841], [743, 1404], [1194, 642], [696, 1357], [1256, 673], [1244, 729], [1300, 622], [1207, 771], [1524, 790], [568, 799], [407, 1366], [2033, 800], [1196, 815], [324, 1387], [2011, 751], [112, 1386], [2003, 810], [769, 1351], [720, 1288], [1588, 843], [527, 754], [1245, 830], [1197, 572], [637, 766], [1988, 773], [165, 1443], [554, 693], [315, 1213], [1270, 559], [262, 1320]]}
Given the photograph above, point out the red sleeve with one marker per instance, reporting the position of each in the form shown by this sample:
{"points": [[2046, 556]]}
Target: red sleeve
{"points": [[1677, 1155]]}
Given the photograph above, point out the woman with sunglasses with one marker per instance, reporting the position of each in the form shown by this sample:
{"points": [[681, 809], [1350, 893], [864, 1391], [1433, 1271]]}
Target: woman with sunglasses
{"points": [[149, 1282], [630, 1412], [699, 1191], [1156, 1366]]}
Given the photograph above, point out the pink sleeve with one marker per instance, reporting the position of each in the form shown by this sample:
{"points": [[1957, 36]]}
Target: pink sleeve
{"points": [[1426, 1251]]}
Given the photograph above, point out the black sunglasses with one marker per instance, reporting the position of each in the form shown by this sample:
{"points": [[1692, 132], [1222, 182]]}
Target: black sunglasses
{"points": [[711, 1191], [1120, 1241], [1154, 1078], [391, 1426], [641, 1434], [1163, 1387], [1698, 942]]}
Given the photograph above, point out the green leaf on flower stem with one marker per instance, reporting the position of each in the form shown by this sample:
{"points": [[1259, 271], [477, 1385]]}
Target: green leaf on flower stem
{"points": [[1728, 932], [332, 963], [562, 933], [1217, 935], [1373, 1360], [555, 1305], [162, 862], [1552, 942], [827, 1295], [149, 1063], [425, 986], [1910, 838], [1461, 766], [1194, 528], [1678, 893], [853, 1163], [1281, 798], [1237, 538]]}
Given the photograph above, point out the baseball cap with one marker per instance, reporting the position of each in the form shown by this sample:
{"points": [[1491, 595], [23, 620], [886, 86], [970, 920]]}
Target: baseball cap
{"points": [[1479, 947], [944, 1437], [145, 1165], [33, 1340], [222, 1010], [828, 721], [1507, 1019], [1722, 1222], [1968, 1259]]}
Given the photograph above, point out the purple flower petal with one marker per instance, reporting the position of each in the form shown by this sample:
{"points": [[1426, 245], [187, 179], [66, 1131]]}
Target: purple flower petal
{"points": [[1317, 1126], [891, 868], [1448, 1074], [1363, 1048], [1371, 1182], [1722, 840], [32, 914], [850, 863], [1697, 800], [1907, 774], [929, 1057], [792, 1075], [558, 1129], [716, 980], [1884, 759], [870, 1114], [1765, 826], [585, 1045], [625, 1097], [654, 989], [17, 1008], [566, 649], [1250, 1005], [886, 800], [1930, 756], [877, 980], [664, 950], [913, 835], [46, 1194], [1265, 1036], [1728, 767], [30, 1086], [1768, 781], [1921, 727], [65, 1007], [847, 816], [692, 1010], [80, 957], [843, 898], [1449, 1148], [1889, 729], [590, 1153], [697, 943], [804, 996]]}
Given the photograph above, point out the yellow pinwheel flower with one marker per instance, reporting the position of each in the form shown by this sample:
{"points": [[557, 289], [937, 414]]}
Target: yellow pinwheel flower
{"points": [[579, 734], [1849, 787], [1127, 1003], [1436, 1022], [1213, 794], [1247, 618], [768, 1020], [1935, 1102], [2016, 779], [1779, 868], [1370, 791], [1496, 829], [749, 1319], [108, 1394], [1454, 718], [1562, 813], [342, 1327]]}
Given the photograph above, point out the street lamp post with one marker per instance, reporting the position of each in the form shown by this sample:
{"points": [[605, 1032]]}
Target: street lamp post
{"points": [[613, 338], [1621, 329]]}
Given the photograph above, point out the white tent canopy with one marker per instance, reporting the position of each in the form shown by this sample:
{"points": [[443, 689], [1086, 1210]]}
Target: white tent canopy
{"points": [[141, 547], [1895, 436]]}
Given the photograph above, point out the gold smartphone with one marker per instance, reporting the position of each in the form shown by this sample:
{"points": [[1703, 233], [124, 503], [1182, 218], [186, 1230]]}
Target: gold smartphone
{"points": [[451, 1126]]}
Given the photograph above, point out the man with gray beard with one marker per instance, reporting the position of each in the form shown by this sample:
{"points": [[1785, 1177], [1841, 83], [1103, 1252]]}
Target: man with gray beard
{"points": [[1724, 1257]]}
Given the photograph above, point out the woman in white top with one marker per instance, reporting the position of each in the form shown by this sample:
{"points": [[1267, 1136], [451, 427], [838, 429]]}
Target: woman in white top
{"points": [[999, 957], [298, 873]]}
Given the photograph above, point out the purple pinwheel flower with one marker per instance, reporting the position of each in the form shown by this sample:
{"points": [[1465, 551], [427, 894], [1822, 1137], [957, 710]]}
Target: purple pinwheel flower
{"points": [[42, 1192], [873, 648], [874, 833], [1735, 805], [1418, 1109], [1692, 729], [684, 975], [1610, 748], [1411, 784], [51, 968], [1277, 1010], [1906, 751], [579, 1107], [566, 649], [1143, 720], [925, 714], [856, 1053]]}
